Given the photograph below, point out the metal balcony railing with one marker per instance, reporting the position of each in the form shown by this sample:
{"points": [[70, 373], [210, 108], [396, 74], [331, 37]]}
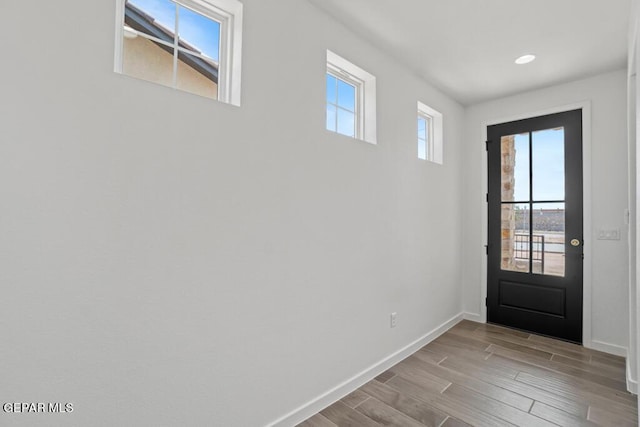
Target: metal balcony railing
{"points": [[522, 246]]}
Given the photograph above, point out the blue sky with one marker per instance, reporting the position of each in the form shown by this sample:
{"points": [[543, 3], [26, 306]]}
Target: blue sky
{"points": [[344, 95], [548, 166], [201, 32]]}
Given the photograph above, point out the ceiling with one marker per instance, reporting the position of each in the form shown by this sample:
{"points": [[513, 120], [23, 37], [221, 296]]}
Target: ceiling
{"points": [[467, 48]]}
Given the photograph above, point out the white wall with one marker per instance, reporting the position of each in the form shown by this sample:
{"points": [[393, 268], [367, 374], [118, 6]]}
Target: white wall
{"points": [[607, 95], [169, 260]]}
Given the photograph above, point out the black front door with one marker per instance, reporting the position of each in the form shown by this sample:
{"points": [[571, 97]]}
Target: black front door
{"points": [[535, 237]]}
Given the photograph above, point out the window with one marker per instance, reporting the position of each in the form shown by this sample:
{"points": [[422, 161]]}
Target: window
{"points": [[430, 134], [350, 99], [342, 96], [425, 136], [190, 45]]}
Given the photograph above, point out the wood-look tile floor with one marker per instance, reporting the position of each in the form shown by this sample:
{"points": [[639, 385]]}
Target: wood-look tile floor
{"points": [[486, 375]]}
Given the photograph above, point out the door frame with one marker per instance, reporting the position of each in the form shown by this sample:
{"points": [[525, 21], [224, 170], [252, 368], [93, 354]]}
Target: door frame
{"points": [[586, 188]]}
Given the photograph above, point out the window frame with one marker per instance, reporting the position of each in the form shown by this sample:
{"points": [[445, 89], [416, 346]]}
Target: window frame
{"points": [[435, 147], [428, 140], [357, 84], [229, 14], [365, 84]]}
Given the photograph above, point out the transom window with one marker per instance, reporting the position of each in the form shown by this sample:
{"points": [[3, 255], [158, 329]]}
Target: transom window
{"points": [[425, 136], [430, 134], [190, 45], [342, 116], [350, 99]]}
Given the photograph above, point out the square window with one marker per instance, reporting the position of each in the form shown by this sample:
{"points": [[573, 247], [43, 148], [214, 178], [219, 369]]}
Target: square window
{"points": [[350, 99], [190, 45], [430, 140]]}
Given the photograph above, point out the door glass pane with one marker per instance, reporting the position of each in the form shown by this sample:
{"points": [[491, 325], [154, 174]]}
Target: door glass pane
{"points": [[514, 150], [515, 237], [548, 165], [549, 238]]}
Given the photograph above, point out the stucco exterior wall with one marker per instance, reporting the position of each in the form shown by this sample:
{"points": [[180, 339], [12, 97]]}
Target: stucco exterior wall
{"points": [[145, 60]]}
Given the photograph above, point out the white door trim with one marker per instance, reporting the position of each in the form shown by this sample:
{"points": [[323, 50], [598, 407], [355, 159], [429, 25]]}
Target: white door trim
{"points": [[586, 172]]}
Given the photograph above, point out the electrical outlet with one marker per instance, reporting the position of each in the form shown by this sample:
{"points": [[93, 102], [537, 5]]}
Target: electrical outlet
{"points": [[394, 320]]}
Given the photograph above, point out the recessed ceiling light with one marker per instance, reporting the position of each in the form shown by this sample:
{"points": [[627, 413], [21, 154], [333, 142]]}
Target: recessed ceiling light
{"points": [[525, 59]]}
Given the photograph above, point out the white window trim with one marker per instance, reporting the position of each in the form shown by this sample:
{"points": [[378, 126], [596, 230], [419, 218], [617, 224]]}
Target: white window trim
{"points": [[229, 14], [436, 146], [365, 84]]}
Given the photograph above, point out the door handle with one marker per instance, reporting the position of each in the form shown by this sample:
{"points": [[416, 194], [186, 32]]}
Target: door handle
{"points": [[575, 242]]}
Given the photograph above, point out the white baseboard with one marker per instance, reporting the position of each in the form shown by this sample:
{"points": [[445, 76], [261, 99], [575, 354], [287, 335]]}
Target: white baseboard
{"points": [[605, 347], [632, 385], [338, 392], [473, 317]]}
